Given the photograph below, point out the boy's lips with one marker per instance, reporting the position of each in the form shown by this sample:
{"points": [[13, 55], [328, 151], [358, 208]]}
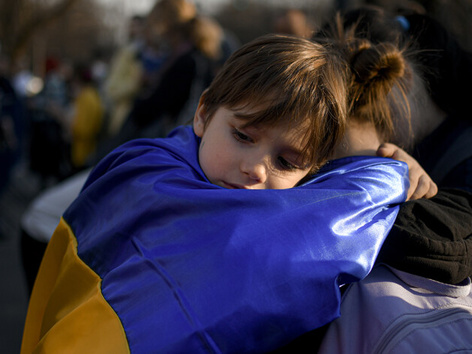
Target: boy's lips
{"points": [[233, 186]]}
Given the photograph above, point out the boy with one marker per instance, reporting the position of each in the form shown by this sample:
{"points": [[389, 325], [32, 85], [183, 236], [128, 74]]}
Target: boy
{"points": [[165, 251]]}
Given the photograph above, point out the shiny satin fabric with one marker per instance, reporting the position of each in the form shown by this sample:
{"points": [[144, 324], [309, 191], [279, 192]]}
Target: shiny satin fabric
{"points": [[192, 267]]}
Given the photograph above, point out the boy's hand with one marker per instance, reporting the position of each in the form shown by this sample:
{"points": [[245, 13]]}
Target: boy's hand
{"points": [[421, 185]]}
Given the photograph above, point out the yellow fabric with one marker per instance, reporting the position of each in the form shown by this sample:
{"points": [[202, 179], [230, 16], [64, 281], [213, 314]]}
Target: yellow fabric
{"points": [[67, 312], [86, 125]]}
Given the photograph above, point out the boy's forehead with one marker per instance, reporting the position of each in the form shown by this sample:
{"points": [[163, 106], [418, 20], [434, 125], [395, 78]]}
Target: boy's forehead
{"points": [[250, 107]]}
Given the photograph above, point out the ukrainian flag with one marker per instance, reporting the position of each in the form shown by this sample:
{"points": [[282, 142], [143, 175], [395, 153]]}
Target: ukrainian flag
{"points": [[152, 258]]}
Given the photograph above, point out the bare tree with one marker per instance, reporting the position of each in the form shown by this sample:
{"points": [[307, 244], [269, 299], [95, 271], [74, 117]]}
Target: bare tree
{"points": [[80, 33], [20, 19]]}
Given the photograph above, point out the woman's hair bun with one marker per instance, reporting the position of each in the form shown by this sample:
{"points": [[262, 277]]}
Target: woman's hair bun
{"points": [[381, 63]]}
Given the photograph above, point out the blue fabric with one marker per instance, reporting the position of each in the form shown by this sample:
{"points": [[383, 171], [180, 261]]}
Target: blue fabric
{"points": [[192, 267]]}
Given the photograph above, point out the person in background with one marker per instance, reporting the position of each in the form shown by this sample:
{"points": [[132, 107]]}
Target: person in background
{"points": [[164, 15], [87, 118], [123, 80], [294, 22], [12, 128], [48, 145], [11, 124], [141, 66], [42, 215], [195, 47]]}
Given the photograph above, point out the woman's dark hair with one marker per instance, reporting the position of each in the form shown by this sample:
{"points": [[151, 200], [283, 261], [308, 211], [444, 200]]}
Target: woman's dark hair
{"points": [[380, 74], [443, 64]]}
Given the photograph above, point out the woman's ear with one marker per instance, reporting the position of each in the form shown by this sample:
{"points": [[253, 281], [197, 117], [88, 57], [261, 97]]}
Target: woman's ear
{"points": [[199, 118]]}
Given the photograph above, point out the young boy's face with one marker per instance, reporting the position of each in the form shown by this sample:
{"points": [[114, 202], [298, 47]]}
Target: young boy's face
{"points": [[235, 157]]}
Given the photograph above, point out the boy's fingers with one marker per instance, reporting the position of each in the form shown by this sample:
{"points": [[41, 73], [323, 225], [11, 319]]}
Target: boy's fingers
{"points": [[386, 150], [419, 191], [433, 190], [416, 186], [421, 185], [412, 189], [425, 188]]}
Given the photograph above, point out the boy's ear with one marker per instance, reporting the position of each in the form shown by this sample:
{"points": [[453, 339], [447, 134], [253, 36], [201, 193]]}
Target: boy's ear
{"points": [[199, 118]]}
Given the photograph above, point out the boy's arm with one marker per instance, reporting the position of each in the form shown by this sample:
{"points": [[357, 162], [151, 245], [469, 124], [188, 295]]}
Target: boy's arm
{"points": [[421, 185]]}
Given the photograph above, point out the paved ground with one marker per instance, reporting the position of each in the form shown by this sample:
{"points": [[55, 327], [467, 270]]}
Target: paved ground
{"points": [[22, 189]]}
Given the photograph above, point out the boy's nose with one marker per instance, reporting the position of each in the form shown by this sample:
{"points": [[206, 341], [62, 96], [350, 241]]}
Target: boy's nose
{"points": [[256, 170]]}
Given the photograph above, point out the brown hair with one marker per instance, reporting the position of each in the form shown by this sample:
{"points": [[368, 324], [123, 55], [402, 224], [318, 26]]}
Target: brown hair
{"points": [[380, 76], [380, 80], [290, 80]]}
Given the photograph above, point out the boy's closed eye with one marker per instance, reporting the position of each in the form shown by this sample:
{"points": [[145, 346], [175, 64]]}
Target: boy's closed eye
{"points": [[283, 163], [242, 137], [286, 165]]}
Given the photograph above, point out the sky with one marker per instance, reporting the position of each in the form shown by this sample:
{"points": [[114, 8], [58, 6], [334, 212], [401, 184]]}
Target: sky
{"points": [[143, 6]]}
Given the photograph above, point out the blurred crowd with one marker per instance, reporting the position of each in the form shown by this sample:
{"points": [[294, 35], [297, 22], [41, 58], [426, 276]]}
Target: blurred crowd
{"points": [[62, 123], [65, 120]]}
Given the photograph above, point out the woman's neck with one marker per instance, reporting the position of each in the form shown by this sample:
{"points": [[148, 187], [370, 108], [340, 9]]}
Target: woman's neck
{"points": [[359, 139]]}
